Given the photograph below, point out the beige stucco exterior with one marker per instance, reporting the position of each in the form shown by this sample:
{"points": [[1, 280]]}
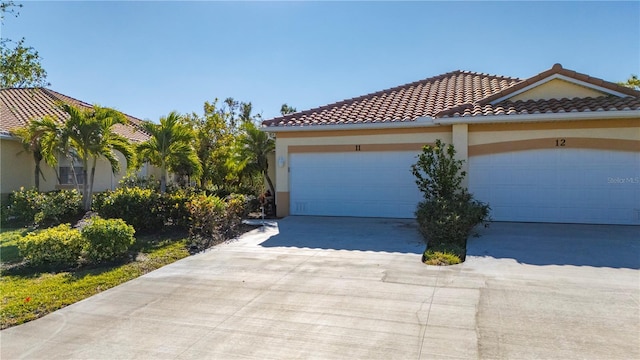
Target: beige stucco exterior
{"points": [[557, 89], [468, 139], [17, 170]]}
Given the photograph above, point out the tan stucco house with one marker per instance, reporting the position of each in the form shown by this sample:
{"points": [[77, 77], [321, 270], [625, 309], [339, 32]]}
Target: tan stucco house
{"points": [[17, 108], [559, 147]]}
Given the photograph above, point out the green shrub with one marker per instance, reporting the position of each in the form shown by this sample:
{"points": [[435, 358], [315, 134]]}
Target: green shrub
{"points": [[448, 213], [135, 181], [44, 209], [443, 221], [206, 215], [57, 207], [59, 246], [138, 207], [174, 208], [107, 239], [236, 209], [23, 206]]}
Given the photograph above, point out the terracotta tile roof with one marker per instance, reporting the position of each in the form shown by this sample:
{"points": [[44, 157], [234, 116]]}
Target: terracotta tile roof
{"points": [[521, 107], [19, 106], [403, 103], [458, 93]]}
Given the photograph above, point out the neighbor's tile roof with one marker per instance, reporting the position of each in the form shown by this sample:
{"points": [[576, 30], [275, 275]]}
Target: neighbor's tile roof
{"points": [[403, 103], [454, 94], [19, 106]]}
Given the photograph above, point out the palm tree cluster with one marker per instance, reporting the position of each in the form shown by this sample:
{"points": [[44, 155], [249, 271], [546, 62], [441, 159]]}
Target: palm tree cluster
{"points": [[223, 148]]}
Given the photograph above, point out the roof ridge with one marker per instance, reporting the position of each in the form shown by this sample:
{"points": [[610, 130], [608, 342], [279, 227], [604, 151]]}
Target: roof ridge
{"points": [[387, 90], [56, 96]]}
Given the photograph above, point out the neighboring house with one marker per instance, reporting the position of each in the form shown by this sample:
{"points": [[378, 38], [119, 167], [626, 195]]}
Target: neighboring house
{"points": [[558, 147], [17, 108]]}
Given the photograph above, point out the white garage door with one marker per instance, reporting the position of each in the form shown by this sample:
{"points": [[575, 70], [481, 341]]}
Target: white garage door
{"points": [[368, 184], [559, 185]]}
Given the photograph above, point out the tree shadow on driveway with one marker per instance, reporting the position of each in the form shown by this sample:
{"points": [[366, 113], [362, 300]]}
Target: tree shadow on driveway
{"points": [[343, 233], [615, 246]]}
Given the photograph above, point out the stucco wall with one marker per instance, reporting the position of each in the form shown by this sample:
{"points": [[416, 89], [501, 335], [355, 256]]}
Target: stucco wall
{"points": [[17, 170], [557, 89], [472, 139]]}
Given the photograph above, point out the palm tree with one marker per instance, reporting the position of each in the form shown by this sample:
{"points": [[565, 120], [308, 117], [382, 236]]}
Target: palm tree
{"points": [[89, 134], [170, 147], [256, 146], [33, 136]]}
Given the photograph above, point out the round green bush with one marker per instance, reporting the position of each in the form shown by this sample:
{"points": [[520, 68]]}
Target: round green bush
{"points": [[60, 246], [107, 239], [140, 208]]}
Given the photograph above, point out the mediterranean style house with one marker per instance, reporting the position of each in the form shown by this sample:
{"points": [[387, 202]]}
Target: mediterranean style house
{"points": [[560, 147], [20, 106]]}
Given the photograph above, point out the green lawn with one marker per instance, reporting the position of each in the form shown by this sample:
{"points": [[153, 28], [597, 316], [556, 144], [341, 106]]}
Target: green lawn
{"points": [[29, 293]]}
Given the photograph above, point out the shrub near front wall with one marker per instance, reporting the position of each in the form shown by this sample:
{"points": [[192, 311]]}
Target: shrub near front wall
{"points": [[58, 246], [107, 239], [138, 207]]}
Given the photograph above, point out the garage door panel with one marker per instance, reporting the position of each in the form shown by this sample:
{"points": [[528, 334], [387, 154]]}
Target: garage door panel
{"points": [[559, 185], [370, 184]]}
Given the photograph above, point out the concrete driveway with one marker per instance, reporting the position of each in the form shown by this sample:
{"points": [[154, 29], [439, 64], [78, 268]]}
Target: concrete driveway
{"points": [[336, 288]]}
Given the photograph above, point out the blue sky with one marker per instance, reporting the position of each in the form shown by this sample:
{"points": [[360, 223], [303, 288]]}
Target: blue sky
{"points": [[149, 58]]}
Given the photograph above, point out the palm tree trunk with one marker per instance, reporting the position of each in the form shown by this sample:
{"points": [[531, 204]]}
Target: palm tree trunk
{"points": [[163, 178], [37, 175], [85, 186], [93, 176]]}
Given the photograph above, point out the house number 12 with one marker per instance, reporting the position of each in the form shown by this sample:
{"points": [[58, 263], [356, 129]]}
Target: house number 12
{"points": [[561, 142]]}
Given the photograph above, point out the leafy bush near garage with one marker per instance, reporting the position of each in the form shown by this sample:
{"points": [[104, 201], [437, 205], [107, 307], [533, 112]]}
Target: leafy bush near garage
{"points": [[107, 239], [57, 246], [448, 213], [443, 221], [139, 207], [212, 219], [31, 207]]}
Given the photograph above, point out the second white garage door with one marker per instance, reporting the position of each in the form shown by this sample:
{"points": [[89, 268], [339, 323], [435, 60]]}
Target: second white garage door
{"points": [[559, 185], [367, 184]]}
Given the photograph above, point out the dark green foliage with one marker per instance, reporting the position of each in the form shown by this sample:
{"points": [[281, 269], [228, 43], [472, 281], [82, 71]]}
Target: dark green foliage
{"points": [[450, 221], [107, 239], [206, 216], [58, 207], [30, 207], [438, 174], [138, 207], [213, 220], [448, 213], [23, 206], [59, 246], [174, 208], [133, 181]]}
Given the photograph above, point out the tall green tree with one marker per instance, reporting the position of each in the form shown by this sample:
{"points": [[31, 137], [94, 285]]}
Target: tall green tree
{"points": [[90, 135], [256, 146], [20, 65], [286, 109], [170, 147], [35, 135]]}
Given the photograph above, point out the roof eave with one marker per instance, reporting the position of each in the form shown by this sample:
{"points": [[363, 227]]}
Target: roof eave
{"points": [[418, 123], [591, 115]]}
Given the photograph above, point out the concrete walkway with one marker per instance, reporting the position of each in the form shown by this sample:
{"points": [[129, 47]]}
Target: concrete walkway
{"points": [[331, 288]]}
